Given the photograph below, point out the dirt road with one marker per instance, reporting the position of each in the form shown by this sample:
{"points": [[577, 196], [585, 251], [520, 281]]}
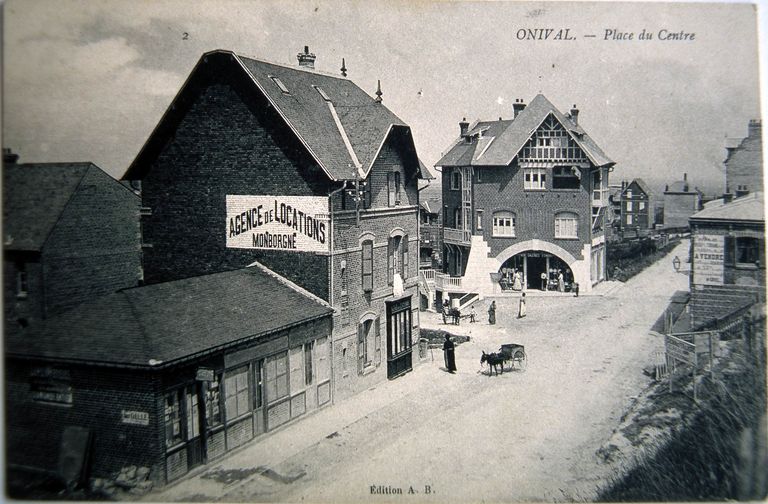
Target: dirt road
{"points": [[521, 436]]}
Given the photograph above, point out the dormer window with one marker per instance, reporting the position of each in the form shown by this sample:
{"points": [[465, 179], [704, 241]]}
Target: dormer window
{"points": [[279, 84]]}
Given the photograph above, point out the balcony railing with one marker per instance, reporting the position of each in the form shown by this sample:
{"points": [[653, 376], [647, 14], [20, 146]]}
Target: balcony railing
{"points": [[429, 275], [456, 236], [429, 233], [447, 283]]}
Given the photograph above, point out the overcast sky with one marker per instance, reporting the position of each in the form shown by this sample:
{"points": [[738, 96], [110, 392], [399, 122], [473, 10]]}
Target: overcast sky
{"points": [[88, 81]]}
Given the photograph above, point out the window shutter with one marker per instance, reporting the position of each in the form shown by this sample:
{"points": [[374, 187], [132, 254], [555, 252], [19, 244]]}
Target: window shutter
{"points": [[729, 245], [391, 188], [378, 341], [360, 348], [397, 188], [390, 261], [367, 272], [405, 257]]}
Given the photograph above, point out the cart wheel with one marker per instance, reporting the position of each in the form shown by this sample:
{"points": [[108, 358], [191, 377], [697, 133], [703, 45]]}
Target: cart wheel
{"points": [[519, 360]]}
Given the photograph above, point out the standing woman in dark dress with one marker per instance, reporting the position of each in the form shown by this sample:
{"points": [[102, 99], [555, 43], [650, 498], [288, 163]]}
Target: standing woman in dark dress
{"points": [[450, 358], [492, 313]]}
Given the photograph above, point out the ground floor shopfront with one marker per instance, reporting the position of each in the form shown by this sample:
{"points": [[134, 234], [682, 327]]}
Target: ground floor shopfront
{"points": [[220, 405]]}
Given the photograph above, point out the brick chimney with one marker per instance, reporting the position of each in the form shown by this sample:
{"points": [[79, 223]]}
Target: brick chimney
{"points": [[518, 107], [9, 157], [575, 115], [755, 127], [463, 127], [306, 59]]}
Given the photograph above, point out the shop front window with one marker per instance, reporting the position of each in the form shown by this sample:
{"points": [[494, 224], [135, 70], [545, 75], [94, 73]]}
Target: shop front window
{"points": [[277, 376], [236, 393], [173, 434], [213, 402]]}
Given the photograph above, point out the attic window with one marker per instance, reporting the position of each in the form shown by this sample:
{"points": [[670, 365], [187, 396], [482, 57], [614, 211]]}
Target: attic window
{"points": [[279, 84], [322, 93]]}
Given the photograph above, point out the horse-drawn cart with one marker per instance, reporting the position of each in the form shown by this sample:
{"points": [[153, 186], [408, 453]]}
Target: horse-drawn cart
{"points": [[516, 354], [508, 352]]}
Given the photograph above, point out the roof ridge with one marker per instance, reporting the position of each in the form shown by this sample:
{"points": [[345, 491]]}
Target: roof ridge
{"points": [[289, 67], [290, 284]]}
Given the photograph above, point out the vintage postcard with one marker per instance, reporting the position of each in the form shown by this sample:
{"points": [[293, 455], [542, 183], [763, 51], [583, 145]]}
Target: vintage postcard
{"points": [[397, 251]]}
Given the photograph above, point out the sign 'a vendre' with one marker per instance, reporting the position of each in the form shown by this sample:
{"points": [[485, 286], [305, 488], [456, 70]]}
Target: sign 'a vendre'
{"points": [[291, 223]]}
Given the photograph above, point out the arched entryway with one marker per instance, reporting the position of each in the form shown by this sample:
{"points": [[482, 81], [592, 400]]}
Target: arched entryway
{"points": [[534, 269]]}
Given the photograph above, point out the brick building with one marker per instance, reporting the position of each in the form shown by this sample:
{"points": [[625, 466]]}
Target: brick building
{"points": [[430, 246], [70, 234], [168, 376], [728, 257], [744, 162], [526, 194], [304, 172], [636, 206], [680, 202]]}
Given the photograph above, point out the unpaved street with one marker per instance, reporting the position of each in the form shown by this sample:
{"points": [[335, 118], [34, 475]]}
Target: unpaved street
{"points": [[522, 436]]}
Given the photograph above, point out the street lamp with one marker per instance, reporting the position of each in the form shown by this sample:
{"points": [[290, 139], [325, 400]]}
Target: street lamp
{"points": [[676, 264]]}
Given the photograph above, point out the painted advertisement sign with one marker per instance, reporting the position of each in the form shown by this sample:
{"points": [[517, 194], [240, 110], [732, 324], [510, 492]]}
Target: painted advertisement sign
{"points": [[708, 258], [292, 223]]}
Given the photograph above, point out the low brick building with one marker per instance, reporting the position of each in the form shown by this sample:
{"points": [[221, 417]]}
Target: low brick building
{"points": [[728, 257], [304, 172], [168, 376], [70, 234]]}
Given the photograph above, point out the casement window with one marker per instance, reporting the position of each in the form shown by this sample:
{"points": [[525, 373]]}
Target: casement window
{"points": [[535, 179], [456, 179], [457, 218], [393, 184], [629, 219], [22, 283], [367, 270], [236, 393], [641, 205], [308, 363], [172, 417], [368, 344], [566, 177], [566, 225], [479, 220], [629, 206], [398, 257], [504, 224], [742, 251], [258, 385], [276, 368], [213, 402], [344, 295], [192, 412]]}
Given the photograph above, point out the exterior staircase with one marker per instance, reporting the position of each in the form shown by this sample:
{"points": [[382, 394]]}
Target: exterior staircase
{"points": [[477, 276]]}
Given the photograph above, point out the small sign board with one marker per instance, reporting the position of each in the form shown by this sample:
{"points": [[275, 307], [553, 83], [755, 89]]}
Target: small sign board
{"points": [[135, 417], [204, 374], [680, 350], [708, 259]]}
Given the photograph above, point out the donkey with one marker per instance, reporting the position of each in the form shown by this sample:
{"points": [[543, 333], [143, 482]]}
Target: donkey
{"points": [[495, 361]]}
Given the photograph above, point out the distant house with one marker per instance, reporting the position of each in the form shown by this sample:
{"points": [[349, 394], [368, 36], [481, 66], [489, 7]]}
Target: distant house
{"points": [[680, 202], [431, 243], [728, 257], [524, 195], [70, 234], [636, 206], [744, 162]]}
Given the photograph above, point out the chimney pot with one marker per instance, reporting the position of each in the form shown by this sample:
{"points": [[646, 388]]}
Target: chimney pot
{"points": [[463, 127], [518, 107], [306, 59], [575, 114]]}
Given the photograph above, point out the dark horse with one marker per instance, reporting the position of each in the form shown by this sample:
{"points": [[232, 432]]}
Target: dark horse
{"points": [[495, 361]]}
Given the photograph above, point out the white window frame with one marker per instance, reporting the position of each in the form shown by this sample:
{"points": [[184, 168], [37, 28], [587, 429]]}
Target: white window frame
{"points": [[629, 219], [641, 205], [540, 174], [566, 225], [502, 228], [629, 206]]}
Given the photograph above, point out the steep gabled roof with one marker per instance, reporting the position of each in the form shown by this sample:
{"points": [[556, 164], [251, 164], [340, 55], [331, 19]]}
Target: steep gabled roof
{"points": [[34, 197], [341, 126], [164, 323], [514, 134], [641, 184]]}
